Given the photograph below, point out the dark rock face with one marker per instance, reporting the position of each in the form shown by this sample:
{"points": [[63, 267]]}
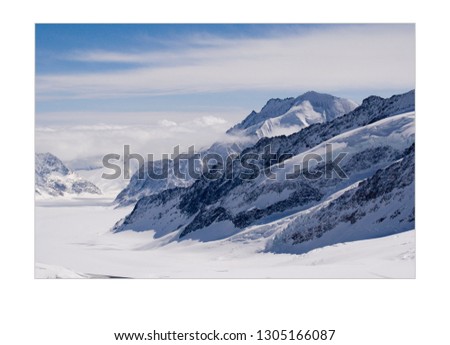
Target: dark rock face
{"points": [[303, 196], [205, 218], [83, 186], [385, 200]]}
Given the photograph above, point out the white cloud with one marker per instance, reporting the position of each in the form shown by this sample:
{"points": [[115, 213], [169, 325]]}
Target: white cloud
{"points": [[167, 123], [337, 58], [127, 118], [90, 142], [209, 121]]}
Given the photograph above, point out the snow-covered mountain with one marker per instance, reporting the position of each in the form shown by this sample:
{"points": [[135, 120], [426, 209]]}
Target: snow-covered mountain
{"points": [[376, 197], [277, 117], [142, 185], [287, 116], [53, 178], [380, 205]]}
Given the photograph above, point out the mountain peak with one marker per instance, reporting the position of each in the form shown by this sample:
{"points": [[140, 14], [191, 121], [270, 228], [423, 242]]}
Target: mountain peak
{"points": [[314, 96], [403, 102], [288, 115], [313, 93], [46, 163], [275, 103], [371, 99]]}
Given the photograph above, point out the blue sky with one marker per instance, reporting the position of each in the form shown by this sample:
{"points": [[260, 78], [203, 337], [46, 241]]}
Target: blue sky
{"points": [[77, 66], [152, 75], [57, 40], [60, 49]]}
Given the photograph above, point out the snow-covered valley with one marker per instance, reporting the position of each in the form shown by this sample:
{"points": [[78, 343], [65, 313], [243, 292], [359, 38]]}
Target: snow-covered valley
{"points": [[73, 240]]}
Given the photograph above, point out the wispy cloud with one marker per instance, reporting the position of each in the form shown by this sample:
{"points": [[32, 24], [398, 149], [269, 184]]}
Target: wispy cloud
{"points": [[337, 58]]}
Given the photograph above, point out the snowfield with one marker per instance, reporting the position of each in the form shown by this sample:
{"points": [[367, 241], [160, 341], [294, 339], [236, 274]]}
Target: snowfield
{"points": [[73, 239]]}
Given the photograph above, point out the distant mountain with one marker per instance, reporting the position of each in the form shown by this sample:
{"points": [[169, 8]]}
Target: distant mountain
{"points": [[53, 178], [277, 117], [376, 197], [287, 116], [141, 185]]}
